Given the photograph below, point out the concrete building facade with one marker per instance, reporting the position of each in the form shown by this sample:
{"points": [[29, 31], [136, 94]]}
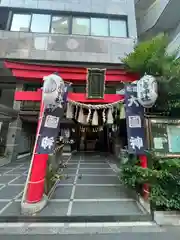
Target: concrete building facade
{"points": [[158, 16], [70, 33]]}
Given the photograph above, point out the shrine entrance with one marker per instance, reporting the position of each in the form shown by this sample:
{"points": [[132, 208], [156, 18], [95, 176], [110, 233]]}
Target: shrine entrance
{"points": [[92, 138]]}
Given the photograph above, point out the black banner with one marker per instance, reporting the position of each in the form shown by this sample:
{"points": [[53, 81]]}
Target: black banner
{"points": [[134, 121], [49, 131]]}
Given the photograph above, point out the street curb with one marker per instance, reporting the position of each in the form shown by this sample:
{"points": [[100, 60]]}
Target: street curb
{"points": [[167, 218], [162, 218], [78, 228]]}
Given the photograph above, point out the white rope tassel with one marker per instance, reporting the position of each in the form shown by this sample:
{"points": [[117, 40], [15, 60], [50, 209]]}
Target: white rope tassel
{"points": [[69, 111], [104, 115], [95, 118], [122, 112], [110, 119], [85, 119], [81, 116], [76, 112], [89, 115]]}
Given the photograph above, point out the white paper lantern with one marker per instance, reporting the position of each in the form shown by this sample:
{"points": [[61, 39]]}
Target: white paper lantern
{"points": [[147, 91], [53, 91]]}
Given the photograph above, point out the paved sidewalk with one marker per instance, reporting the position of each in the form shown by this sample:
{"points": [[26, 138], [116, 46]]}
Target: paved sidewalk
{"points": [[12, 179], [90, 191], [91, 188], [166, 235]]}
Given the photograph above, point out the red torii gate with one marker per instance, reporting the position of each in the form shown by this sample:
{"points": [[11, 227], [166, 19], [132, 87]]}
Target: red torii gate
{"points": [[34, 189]]}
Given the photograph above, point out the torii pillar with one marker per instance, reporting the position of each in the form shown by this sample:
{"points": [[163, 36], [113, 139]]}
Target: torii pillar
{"points": [[34, 199]]}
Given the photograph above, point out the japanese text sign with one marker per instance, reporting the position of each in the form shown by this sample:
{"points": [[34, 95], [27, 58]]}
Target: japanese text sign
{"points": [[49, 131], [134, 121]]}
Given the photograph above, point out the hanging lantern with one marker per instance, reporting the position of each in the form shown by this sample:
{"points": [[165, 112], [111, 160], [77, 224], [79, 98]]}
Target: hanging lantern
{"points": [[147, 91], [53, 91]]}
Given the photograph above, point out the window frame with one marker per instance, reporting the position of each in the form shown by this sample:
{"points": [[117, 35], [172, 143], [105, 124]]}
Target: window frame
{"points": [[70, 17], [118, 19], [108, 26], [90, 72], [19, 13], [50, 15], [83, 17], [61, 15]]}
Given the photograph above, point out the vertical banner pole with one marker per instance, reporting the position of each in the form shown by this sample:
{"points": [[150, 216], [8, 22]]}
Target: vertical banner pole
{"points": [[135, 128]]}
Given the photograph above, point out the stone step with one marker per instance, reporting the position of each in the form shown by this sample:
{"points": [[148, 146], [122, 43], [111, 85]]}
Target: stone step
{"points": [[78, 228]]}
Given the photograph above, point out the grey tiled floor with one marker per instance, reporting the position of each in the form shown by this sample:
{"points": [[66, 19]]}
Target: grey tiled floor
{"points": [[12, 179], [89, 187]]}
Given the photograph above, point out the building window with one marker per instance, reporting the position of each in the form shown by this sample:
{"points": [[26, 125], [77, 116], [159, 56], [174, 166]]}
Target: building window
{"points": [[4, 15], [40, 23], [96, 83], [118, 28], [45, 23], [99, 27], [81, 26], [20, 22], [60, 25]]}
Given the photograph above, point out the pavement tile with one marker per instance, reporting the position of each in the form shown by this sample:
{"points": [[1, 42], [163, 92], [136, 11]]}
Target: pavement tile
{"points": [[98, 180], [14, 164], [91, 162], [55, 209], [97, 165], [20, 180], [13, 210], [16, 171], [26, 164], [5, 169], [72, 165], [4, 179], [98, 192], [67, 179], [62, 192], [105, 208], [70, 170], [3, 204], [9, 192], [97, 171]]}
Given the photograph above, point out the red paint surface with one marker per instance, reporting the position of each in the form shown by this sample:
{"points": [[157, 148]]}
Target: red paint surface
{"points": [[35, 72], [35, 188], [144, 164], [78, 97], [27, 96]]}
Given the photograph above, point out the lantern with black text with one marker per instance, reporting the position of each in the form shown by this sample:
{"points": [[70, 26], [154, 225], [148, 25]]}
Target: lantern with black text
{"points": [[53, 91], [147, 91]]}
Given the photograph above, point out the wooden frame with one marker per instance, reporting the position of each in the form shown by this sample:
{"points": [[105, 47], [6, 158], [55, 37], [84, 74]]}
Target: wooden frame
{"points": [[101, 73], [161, 121]]}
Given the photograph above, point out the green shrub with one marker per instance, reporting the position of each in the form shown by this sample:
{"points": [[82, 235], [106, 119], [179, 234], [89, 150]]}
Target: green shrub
{"points": [[163, 178], [51, 177]]}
